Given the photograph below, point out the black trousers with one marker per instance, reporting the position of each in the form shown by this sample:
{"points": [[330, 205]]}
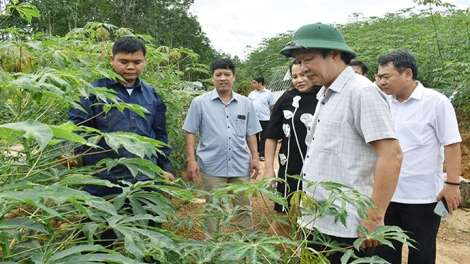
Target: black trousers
{"points": [[335, 258], [421, 225], [261, 138]]}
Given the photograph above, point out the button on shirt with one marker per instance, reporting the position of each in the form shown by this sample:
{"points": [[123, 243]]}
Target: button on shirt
{"points": [[425, 122], [262, 101], [223, 128], [152, 126], [352, 113]]}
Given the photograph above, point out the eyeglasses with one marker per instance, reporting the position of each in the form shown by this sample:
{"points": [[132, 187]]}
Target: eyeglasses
{"points": [[292, 43]]}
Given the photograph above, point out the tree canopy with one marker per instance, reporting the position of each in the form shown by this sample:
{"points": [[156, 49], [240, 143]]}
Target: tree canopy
{"points": [[440, 41], [169, 22]]}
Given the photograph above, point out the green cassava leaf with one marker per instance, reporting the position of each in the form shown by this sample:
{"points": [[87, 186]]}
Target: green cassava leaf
{"points": [[72, 251], [96, 258], [21, 222], [35, 45], [58, 60], [31, 129], [66, 131], [144, 166], [27, 11]]}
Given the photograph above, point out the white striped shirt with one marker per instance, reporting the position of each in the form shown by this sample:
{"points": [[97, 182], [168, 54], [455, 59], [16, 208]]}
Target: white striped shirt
{"points": [[350, 114]]}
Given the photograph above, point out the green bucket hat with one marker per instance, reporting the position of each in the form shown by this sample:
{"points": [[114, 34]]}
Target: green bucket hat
{"points": [[317, 36]]}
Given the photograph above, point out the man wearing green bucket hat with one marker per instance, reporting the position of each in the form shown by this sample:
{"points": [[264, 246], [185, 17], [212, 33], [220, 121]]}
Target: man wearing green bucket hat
{"points": [[352, 140]]}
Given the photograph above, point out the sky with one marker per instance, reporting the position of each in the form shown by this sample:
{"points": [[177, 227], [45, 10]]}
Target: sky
{"points": [[232, 25]]}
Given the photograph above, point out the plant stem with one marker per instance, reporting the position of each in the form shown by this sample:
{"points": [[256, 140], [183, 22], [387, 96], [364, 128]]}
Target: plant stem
{"points": [[5, 247], [34, 165], [22, 108], [435, 33], [27, 151]]}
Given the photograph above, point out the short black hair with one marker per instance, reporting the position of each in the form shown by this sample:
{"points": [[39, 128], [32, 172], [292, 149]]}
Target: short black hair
{"points": [[361, 64], [129, 44], [259, 79], [223, 64], [401, 59]]}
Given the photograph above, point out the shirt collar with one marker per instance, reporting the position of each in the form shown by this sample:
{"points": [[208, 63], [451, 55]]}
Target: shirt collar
{"points": [[215, 95], [137, 83], [338, 83], [417, 93]]}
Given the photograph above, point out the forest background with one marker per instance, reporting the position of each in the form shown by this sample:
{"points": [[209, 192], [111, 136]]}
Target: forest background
{"points": [[51, 50]]}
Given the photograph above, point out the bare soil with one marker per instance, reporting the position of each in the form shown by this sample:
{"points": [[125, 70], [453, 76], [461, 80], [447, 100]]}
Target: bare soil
{"points": [[453, 239], [465, 147]]}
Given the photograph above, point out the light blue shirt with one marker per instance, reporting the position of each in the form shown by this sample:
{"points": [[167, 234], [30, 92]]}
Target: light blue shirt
{"points": [[223, 128], [262, 101]]}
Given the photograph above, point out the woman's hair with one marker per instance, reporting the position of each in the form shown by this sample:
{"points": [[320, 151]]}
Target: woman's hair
{"points": [[290, 66], [290, 72]]}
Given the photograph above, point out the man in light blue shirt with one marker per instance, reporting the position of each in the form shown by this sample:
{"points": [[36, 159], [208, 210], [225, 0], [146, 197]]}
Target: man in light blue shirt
{"points": [[263, 101], [227, 126]]}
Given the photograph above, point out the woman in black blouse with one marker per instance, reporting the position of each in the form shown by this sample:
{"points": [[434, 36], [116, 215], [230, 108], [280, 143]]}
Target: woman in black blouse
{"points": [[290, 121]]}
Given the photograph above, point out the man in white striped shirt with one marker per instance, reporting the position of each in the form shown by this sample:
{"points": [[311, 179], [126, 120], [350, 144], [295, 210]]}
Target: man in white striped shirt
{"points": [[352, 139]]}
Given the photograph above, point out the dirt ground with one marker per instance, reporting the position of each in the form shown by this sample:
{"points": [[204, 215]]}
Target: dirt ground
{"points": [[453, 239]]}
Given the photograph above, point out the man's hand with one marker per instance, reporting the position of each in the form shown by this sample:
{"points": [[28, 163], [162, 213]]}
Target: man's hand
{"points": [[68, 162], [452, 157], [376, 219], [169, 176], [192, 170], [254, 168], [452, 195], [386, 174], [269, 173]]}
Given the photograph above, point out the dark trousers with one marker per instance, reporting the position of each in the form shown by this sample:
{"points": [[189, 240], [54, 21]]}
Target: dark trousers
{"points": [[260, 137], [335, 258], [421, 225]]}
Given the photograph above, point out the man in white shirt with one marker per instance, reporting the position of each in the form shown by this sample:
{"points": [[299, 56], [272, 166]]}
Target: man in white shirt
{"points": [[263, 101], [428, 133]]}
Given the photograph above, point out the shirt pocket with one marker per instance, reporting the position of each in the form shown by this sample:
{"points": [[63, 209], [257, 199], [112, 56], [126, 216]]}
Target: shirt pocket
{"points": [[328, 137], [240, 127], [144, 125], [149, 116], [109, 122], [412, 134]]}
